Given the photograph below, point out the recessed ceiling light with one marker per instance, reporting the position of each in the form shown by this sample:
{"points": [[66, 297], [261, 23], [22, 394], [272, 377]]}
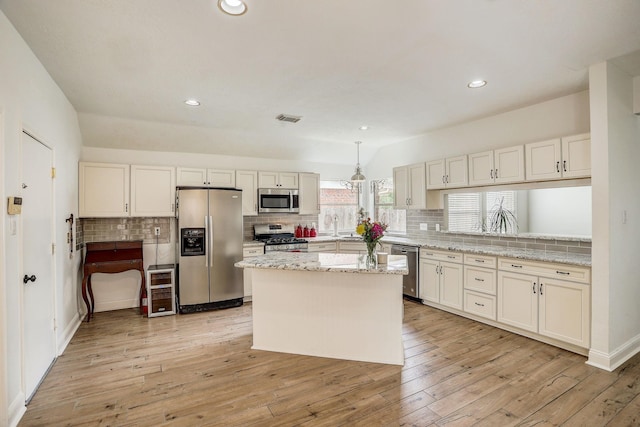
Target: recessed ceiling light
{"points": [[232, 7], [476, 84], [364, 127], [192, 102]]}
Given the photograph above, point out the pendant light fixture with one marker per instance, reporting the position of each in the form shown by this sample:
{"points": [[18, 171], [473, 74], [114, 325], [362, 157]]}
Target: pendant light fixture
{"points": [[358, 176]]}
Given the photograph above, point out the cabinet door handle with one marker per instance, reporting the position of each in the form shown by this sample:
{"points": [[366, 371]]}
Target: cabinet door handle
{"points": [[491, 174], [450, 256], [443, 179], [478, 304], [477, 279], [447, 179], [479, 260], [516, 266], [566, 273], [558, 167], [126, 207], [533, 287], [496, 173], [541, 288], [564, 165]]}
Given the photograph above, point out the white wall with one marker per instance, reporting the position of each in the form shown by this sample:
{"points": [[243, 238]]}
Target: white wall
{"points": [[568, 115], [30, 99], [615, 139], [563, 211]]}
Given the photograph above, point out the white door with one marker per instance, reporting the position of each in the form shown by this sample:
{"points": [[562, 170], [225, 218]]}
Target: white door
{"points": [[39, 350]]}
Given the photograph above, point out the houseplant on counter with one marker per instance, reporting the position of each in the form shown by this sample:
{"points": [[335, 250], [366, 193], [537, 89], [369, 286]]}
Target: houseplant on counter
{"points": [[371, 233]]}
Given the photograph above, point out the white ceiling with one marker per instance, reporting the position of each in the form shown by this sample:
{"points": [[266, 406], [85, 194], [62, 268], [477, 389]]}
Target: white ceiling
{"points": [[128, 65]]}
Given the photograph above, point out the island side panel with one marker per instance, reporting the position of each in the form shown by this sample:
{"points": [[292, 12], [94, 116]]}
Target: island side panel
{"points": [[353, 316]]}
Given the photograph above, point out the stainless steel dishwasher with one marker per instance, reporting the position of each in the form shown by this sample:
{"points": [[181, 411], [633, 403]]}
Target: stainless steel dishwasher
{"points": [[410, 284]]}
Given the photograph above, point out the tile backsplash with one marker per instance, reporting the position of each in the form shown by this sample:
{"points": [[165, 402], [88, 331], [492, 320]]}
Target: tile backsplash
{"points": [[107, 229], [275, 218], [522, 241]]}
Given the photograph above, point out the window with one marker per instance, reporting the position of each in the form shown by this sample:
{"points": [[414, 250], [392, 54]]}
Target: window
{"points": [[472, 211], [396, 219], [337, 202]]}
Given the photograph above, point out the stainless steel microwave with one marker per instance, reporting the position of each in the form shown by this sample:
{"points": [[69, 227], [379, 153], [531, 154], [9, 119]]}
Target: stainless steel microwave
{"points": [[278, 200]]}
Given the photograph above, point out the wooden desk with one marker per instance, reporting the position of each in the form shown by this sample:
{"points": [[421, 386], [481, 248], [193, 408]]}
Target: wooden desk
{"points": [[110, 257]]}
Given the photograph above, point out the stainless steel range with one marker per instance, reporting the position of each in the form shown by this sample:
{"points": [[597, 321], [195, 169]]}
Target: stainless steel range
{"points": [[279, 237]]}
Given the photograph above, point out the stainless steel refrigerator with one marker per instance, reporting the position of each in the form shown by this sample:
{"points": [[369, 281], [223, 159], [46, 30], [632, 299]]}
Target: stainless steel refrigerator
{"points": [[209, 243]]}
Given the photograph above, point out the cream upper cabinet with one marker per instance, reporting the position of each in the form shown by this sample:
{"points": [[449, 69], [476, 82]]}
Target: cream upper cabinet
{"points": [[543, 160], [501, 166], [103, 190], [451, 172], [191, 176], [576, 156], [206, 177], [309, 187], [277, 180], [153, 191], [558, 158], [247, 181], [221, 178], [409, 184]]}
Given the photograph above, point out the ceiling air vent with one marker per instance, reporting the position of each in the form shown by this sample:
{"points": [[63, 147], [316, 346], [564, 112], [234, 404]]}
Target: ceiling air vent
{"points": [[288, 118]]}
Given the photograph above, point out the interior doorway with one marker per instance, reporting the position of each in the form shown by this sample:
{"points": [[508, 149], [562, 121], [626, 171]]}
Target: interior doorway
{"points": [[39, 342]]}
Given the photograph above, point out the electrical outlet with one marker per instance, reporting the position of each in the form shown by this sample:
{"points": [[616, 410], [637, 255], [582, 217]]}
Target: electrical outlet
{"points": [[424, 226], [156, 231]]}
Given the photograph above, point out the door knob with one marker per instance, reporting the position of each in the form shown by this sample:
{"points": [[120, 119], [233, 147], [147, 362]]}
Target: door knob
{"points": [[26, 279]]}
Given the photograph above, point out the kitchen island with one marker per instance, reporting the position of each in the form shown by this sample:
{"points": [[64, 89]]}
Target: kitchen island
{"points": [[328, 305]]}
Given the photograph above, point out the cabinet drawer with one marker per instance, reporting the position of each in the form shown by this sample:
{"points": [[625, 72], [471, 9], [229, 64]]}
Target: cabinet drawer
{"points": [[545, 269], [480, 304], [480, 260], [160, 279], [480, 279], [247, 252], [441, 255], [322, 247], [161, 305], [353, 246], [161, 293]]}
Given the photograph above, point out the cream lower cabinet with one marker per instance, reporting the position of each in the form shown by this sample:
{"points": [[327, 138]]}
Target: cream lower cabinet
{"points": [[535, 301], [480, 285], [246, 272], [441, 281], [351, 247], [322, 247]]}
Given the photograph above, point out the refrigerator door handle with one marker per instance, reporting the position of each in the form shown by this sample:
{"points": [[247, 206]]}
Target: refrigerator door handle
{"points": [[206, 240], [211, 240]]}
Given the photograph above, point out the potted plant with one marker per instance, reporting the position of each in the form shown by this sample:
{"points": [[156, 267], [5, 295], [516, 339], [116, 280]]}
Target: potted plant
{"points": [[501, 219]]}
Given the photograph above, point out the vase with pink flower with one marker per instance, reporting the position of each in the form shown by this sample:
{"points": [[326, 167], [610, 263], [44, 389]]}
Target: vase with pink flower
{"points": [[371, 232]]}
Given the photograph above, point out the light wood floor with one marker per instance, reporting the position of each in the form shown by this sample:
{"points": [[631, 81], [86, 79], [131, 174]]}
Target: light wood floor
{"points": [[198, 369]]}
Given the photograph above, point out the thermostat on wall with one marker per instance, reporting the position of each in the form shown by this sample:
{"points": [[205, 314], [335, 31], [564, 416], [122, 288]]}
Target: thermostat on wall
{"points": [[14, 207]]}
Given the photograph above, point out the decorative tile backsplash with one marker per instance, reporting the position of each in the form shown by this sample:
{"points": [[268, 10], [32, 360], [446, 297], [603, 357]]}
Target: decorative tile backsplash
{"points": [[276, 218], [433, 217], [107, 229]]}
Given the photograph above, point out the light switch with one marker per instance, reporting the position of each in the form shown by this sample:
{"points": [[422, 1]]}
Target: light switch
{"points": [[424, 226]]}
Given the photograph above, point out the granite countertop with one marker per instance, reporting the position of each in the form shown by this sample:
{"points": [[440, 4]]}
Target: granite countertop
{"points": [[583, 260], [526, 254], [327, 262]]}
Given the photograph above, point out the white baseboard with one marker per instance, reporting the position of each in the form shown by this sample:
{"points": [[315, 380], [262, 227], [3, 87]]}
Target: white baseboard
{"points": [[611, 361], [16, 409], [68, 333]]}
